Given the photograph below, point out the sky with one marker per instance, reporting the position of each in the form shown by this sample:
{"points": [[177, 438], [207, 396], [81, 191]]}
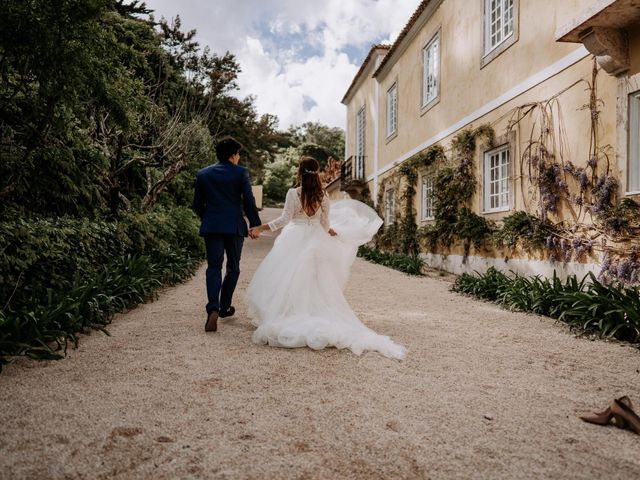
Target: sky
{"points": [[298, 57]]}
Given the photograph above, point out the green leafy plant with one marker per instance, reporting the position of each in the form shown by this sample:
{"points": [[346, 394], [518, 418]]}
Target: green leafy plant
{"points": [[454, 188], [411, 264], [525, 228], [588, 305], [408, 243], [62, 276], [623, 219]]}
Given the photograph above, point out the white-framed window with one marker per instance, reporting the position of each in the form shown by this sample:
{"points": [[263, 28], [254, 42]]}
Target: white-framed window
{"points": [[431, 70], [360, 129], [498, 22], [389, 206], [633, 166], [428, 211], [496, 179], [392, 109]]}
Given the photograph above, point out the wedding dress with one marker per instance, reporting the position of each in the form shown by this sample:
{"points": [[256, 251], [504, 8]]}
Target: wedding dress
{"points": [[296, 295]]}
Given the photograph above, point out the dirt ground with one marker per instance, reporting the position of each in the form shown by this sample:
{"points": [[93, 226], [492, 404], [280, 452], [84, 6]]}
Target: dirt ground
{"points": [[483, 393]]}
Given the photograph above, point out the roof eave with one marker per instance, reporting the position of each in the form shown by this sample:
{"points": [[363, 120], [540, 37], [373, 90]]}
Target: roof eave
{"points": [[364, 68], [419, 18]]}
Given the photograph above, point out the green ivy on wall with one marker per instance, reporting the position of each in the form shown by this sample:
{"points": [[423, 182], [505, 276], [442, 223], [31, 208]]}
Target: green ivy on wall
{"points": [[454, 188], [408, 228], [551, 186]]}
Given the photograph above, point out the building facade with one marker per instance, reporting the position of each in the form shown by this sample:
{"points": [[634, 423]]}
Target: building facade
{"points": [[556, 82]]}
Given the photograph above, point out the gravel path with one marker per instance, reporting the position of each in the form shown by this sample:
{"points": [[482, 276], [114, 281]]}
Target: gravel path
{"points": [[483, 393]]}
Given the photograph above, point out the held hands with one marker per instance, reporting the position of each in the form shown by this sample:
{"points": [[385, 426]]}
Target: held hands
{"points": [[254, 232]]}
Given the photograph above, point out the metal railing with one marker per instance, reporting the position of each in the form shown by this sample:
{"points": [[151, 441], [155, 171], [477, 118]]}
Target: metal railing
{"points": [[352, 171]]}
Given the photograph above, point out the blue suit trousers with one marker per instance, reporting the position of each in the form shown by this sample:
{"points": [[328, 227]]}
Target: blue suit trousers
{"points": [[219, 291]]}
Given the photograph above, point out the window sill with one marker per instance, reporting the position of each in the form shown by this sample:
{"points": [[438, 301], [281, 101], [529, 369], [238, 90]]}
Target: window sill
{"points": [[392, 136], [631, 194], [427, 220], [497, 51], [496, 210], [424, 109]]}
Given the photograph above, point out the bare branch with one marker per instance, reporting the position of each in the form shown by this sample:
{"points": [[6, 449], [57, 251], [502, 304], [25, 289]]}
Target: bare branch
{"points": [[154, 190]]}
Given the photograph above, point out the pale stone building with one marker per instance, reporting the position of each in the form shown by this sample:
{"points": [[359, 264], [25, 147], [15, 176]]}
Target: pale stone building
{"points": [[526, 68]]}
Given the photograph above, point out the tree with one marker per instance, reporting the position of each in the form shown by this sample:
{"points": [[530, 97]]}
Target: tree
{"points": [[323, 141], [310, 139], [115, 113], [279, 178]]}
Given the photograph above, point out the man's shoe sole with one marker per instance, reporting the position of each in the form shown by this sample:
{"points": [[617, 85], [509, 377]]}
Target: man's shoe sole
{"points": [[212, 322]]}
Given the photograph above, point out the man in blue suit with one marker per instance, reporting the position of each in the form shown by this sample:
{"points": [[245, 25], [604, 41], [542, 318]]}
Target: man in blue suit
{"points": [[222, 193]]}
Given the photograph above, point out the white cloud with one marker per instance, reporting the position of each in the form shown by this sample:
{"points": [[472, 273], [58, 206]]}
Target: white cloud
{"points": [[281, 89], [314, 66]]}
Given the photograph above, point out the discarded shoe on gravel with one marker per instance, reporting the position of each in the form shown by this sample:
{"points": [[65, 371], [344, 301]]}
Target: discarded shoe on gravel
{"points": [[620, 413]]}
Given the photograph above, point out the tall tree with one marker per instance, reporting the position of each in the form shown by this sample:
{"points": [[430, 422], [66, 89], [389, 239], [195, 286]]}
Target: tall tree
{"points": [[103, 108]]}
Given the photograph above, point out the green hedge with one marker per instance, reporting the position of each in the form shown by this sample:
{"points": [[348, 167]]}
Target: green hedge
{"points": [[611, 310], [61, 276], [411, 264]]}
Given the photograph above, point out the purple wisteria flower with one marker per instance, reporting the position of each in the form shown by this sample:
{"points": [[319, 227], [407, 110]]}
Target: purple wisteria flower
{"points": [[604, 268], [583, 179], [570, 168], [551, 242], [603, 191], [535, 159]]}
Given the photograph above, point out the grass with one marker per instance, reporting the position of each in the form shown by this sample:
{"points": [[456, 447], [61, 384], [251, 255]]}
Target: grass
{"points": [[44, 330], [587, 305], [411, 264]]}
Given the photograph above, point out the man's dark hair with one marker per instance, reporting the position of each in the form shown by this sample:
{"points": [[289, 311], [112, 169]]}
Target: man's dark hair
{"points": [[227, 147]]}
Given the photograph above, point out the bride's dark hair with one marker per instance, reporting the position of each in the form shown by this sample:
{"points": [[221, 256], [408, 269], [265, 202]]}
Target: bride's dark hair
{"points": [[311, 192]]}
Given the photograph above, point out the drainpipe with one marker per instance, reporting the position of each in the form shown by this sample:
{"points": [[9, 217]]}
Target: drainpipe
{"points": [[375, 135], [346, 146]]}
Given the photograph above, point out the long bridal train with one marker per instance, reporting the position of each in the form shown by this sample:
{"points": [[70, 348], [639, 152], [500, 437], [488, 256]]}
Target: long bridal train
{"points": [[296, 296]]}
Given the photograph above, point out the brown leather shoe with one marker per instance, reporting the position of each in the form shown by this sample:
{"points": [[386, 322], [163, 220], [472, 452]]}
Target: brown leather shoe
{"points": [[212, 322], [623, 413], [612, 414], [601, 418]]}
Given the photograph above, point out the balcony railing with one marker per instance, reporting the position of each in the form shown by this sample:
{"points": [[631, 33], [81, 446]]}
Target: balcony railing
{"points": [[352, 175]]}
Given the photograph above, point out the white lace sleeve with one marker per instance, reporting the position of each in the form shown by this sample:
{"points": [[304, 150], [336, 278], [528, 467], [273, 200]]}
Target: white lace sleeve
{"points": [[324, 215], [287, 212]]}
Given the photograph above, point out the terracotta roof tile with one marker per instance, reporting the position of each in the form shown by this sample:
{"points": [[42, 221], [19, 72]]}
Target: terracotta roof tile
{"points": [[363, 67], [402, 35]]}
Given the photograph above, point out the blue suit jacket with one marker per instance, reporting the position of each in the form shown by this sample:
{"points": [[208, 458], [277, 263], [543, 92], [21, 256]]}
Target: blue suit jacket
{"points": [[222, 193]]}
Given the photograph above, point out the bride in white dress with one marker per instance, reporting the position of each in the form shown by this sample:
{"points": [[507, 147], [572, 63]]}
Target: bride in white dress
{"points": [[296, 295]]}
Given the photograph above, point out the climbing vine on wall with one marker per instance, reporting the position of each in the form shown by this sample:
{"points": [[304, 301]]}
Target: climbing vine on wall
{"points": [[408, 228], [454, 188], [387, 237], [571, 210], [587, 193]]}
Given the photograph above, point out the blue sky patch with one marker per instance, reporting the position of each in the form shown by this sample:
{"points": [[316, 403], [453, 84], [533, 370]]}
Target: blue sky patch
{"points": [[294, 45], [308, 103]]}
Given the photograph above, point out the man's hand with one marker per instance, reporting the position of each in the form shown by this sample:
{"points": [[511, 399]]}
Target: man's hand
{"points": [[254, 232], [332, 232]]}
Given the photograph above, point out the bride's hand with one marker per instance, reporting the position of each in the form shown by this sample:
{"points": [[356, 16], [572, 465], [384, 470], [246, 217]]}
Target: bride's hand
{"points": [[256, 231], [332, 232]]}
